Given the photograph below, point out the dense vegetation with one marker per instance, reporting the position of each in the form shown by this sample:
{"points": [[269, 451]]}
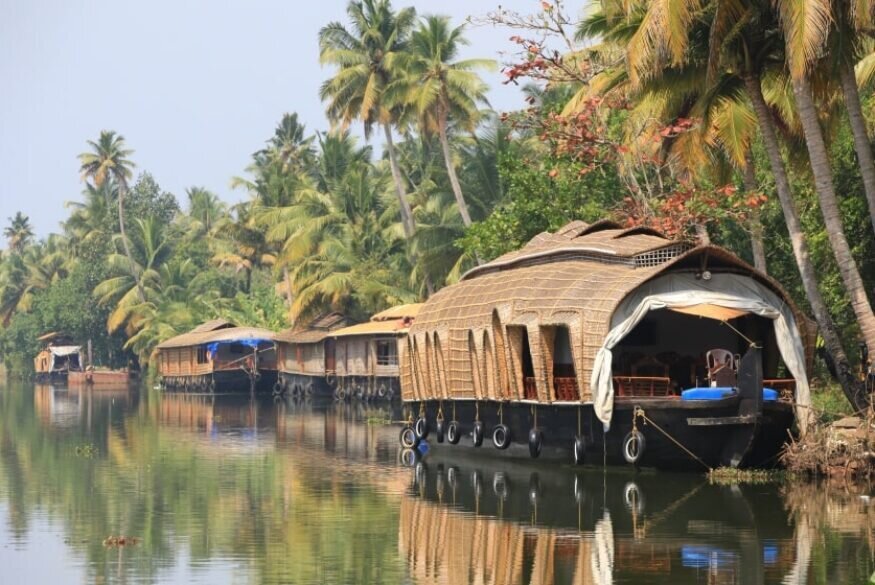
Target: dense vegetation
{"points": [[731, 121]]}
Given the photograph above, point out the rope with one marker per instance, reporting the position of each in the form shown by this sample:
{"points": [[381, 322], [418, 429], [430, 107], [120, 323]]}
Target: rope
{"points": [[639, 412]]}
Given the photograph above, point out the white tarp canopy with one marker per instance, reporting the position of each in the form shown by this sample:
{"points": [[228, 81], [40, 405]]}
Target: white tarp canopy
{"points": [[65, 351], [739, 294]]}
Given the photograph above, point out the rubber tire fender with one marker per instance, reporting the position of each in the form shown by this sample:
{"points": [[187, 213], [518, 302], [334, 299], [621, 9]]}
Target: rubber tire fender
{"points": [[536, 441], [421, 427], [477, 433], [579, 450], [439, 430], [632, 453], [501, 436], [407, 437], [453, 433]]}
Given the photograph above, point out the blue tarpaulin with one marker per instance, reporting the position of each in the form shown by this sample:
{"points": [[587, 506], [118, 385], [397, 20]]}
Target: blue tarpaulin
{"points": [[253, 343]]}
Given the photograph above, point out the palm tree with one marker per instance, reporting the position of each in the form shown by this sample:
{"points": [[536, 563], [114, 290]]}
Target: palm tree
{"points": [[440, 89], [744, 42], [19, 233], [107, 161], [366, 60], [91, 220], [205, 207], [130, 277], [850, 42], [804, 35]]}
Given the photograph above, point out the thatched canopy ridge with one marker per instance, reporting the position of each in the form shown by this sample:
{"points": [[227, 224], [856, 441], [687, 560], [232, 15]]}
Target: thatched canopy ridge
{"points": [[227, 334], [466, 339], [316, 330]]}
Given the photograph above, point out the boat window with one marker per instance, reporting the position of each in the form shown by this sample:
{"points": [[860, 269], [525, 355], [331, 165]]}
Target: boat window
{"points": [[387, 352], [202, 355], [564, 379]]}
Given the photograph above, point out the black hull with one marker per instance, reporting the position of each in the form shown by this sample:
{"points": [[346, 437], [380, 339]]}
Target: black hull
{"points": [[223, 382], [732, 443], [343, 388]]}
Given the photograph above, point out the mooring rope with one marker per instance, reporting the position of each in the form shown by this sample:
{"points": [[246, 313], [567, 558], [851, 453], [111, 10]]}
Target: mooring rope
{"points": [[639, 412]]}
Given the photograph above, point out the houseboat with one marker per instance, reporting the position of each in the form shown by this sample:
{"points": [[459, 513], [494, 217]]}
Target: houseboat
{"points": [[366, 354], [58, 357], [219, 356], [598, 343], [306, 357], [331, 356]]}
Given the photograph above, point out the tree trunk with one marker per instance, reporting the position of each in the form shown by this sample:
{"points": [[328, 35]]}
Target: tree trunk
{"points": [[756, 226], [141, 293], [406, 212], [288, 280], [702, 234], [861, 136], [451, 171], [799, 244], [829, 208]]}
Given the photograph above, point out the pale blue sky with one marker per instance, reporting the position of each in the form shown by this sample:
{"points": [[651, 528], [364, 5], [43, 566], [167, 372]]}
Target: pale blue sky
{"points": [[194, 86]]}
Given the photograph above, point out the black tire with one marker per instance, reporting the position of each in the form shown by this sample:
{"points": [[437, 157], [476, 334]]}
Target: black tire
{"points": [[536, 440], [408, 438], [381, 391], [501, 437], [421, 427], [439, 430], [579, 449], [453, 433], [277, 388], [477, 433], [634, 446], [212, 385], [308, 389]]}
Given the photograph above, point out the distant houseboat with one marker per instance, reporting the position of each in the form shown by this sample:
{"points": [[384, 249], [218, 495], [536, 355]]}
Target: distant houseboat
{"points": [[602, 343], [306, 356], [366, 359], [218, 356], [58, 357]]}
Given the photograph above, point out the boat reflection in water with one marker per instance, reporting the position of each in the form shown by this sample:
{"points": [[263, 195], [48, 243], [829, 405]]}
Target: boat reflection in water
{"points": [[512, 525]]}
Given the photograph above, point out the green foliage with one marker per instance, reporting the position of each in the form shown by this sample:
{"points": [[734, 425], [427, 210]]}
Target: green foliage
{"points": [[541, 194]]}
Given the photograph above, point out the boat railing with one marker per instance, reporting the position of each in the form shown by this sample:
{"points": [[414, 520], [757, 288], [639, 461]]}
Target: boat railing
{"points": [[637, 386]]}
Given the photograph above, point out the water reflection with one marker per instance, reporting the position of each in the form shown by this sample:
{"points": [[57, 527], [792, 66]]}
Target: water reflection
{"points": [[224, 489]]}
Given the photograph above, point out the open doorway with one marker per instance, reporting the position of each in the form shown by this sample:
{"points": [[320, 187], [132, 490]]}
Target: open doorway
{"points": [[564, 378]]}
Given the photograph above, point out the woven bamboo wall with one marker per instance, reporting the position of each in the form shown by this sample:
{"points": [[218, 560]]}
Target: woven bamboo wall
{"points": [[182, 361], [302, 358], [482, 321]]}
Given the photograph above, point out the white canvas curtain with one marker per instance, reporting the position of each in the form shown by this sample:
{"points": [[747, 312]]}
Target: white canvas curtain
{"points": [[731, 291]]}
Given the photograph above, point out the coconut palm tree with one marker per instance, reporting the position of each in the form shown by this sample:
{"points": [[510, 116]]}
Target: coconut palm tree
{"points": [[18, 233], [151, 248], [108, 161], [804, 32], [744, 41], [441, 89], [850, 42], [205, 208], [366, 57]]}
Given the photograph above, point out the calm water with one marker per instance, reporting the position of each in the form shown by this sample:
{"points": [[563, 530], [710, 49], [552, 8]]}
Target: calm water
{"points": [[227, 491]]}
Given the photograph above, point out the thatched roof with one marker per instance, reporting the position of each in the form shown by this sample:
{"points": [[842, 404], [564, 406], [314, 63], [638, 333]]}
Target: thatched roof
{"points": [[213, 325], [230, 333], [392, 321], [575, 277], [400, 312], [315, 331]]}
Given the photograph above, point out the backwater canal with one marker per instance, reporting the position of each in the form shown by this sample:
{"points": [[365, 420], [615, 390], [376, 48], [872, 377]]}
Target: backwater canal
{"points": [[227, 490]]}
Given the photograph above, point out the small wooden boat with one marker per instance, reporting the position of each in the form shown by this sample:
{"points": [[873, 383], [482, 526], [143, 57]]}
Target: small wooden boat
{"points": [[101, 377], [58, 357], [598, 343], [219, 356]]}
